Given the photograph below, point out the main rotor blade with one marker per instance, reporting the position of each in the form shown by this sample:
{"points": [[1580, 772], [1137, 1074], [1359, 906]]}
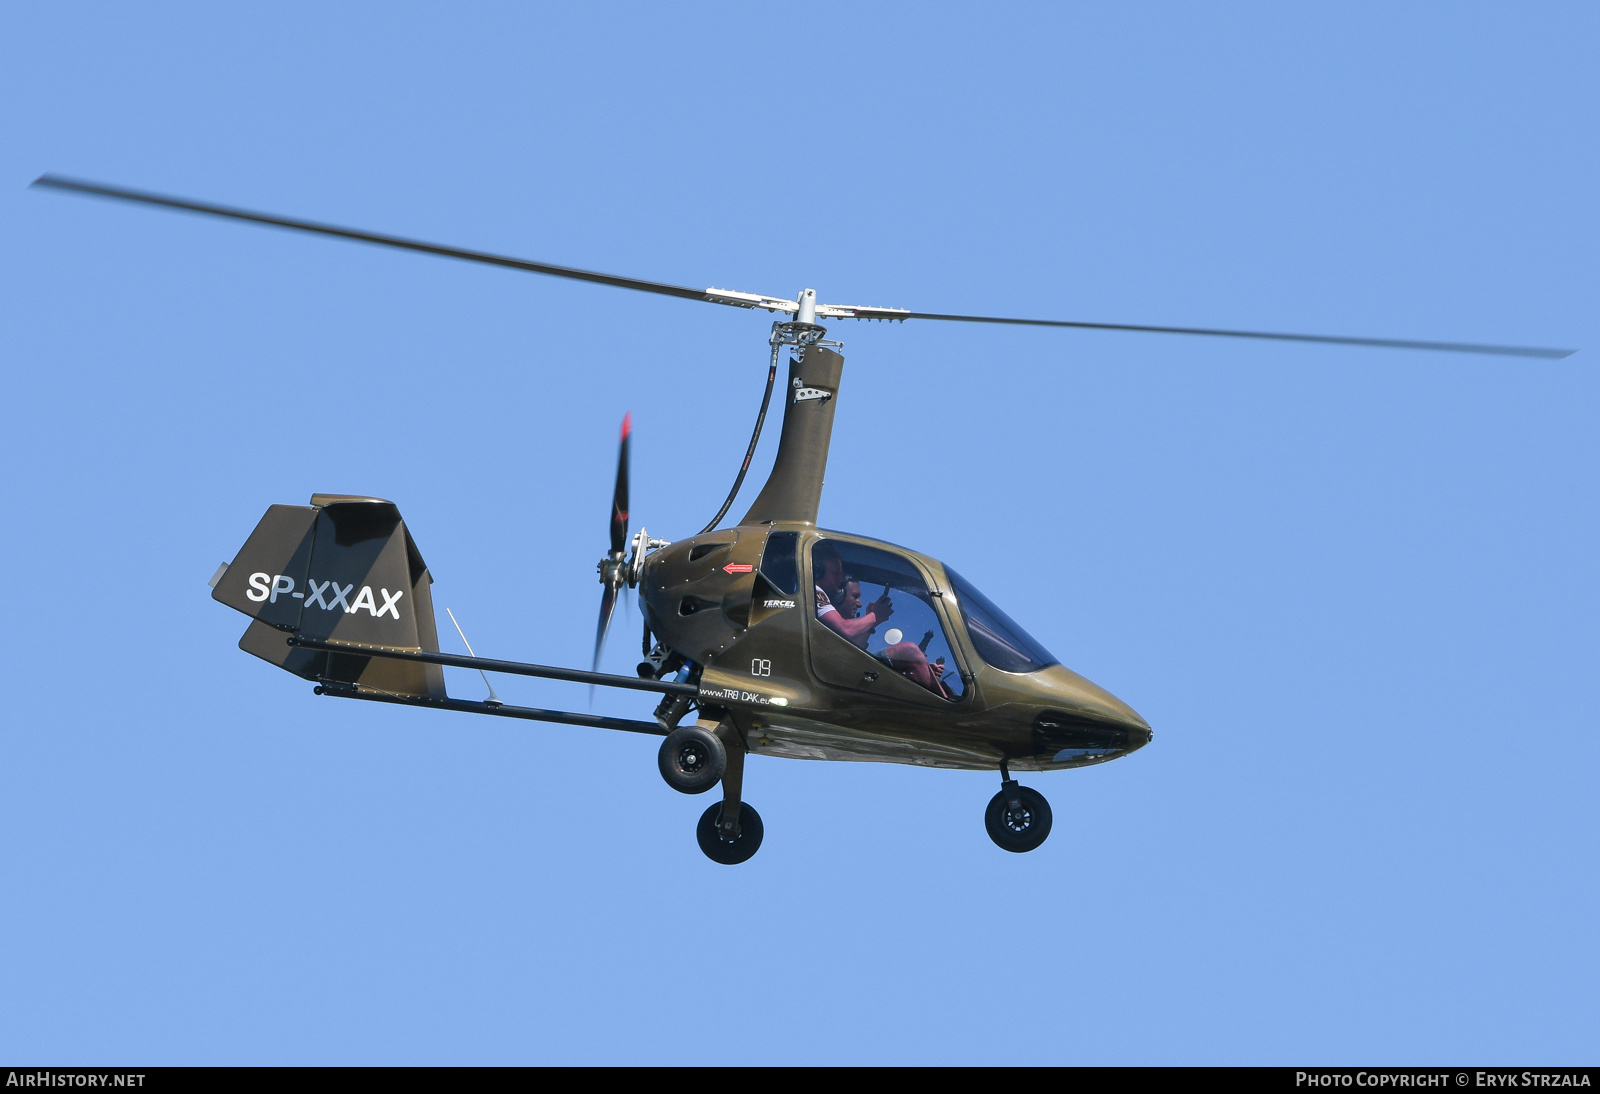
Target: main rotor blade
{"points": [[752, 300], [97, 189], [619, 493], [1326, 339]]}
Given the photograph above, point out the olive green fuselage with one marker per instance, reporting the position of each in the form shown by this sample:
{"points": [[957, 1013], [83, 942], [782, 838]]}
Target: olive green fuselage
{"points": [[760, 651], [792, 689]]}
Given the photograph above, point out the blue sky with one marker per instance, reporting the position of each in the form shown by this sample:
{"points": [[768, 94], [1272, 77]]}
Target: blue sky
{"points": [[1352, 590]]}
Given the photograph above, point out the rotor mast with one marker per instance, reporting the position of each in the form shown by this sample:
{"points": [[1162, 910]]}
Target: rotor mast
{"points": [[793, 491]]}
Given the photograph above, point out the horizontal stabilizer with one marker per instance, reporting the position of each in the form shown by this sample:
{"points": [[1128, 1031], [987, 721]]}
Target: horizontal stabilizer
{"points": [[343, 569]]}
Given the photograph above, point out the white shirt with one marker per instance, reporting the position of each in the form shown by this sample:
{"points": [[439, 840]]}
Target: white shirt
{"points": [[824, 605]]}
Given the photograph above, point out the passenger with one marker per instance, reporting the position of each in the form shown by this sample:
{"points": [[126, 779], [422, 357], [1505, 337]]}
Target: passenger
{"points": [[909, 661], [830, 583]]}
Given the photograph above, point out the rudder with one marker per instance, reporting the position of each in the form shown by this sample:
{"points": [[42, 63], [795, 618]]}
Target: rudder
{"points": [[343, 569]]}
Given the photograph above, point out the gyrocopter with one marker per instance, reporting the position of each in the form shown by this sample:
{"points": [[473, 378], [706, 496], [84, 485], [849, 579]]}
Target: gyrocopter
{"points": [[780, 637]]}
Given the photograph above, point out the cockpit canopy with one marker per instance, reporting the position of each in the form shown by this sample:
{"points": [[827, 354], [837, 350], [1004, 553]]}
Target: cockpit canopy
{"points": [[998, 639], [875, 615]]}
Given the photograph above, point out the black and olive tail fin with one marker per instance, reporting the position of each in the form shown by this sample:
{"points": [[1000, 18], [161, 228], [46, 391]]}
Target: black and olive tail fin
{"points": [[342, 569]]}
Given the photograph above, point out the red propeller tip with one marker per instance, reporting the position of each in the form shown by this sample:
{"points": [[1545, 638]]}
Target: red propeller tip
{"points": [[627, 424]]}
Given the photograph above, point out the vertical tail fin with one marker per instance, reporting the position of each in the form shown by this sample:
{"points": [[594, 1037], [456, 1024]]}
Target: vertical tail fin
{"points": [[345, 569]]}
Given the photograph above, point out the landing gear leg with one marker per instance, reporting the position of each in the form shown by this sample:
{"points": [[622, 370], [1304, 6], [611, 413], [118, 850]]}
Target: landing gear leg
{"points": [[730, 831], [1018, 818]]}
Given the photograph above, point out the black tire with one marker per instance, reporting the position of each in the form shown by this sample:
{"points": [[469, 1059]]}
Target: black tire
{"points": [[692, 760], [729, 852], [1018, 834]]}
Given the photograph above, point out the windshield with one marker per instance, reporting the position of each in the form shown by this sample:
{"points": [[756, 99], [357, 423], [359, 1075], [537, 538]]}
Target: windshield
{"points": [[999, 641]]}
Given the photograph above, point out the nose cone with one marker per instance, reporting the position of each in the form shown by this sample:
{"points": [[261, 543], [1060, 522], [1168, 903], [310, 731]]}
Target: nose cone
{"points": [[1086, 706]]}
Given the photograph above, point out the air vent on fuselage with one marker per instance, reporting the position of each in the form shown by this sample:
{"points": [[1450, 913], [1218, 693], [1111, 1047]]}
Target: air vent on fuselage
{"points": [[1054, 730]]}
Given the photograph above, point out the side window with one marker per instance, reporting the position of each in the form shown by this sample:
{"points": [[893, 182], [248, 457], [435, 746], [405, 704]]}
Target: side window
{"points": [[878, 602], [778, 562]]}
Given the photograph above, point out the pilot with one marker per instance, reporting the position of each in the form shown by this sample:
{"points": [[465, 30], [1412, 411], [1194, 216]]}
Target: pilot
{"points": [[830, 582], [909, 660], [849, 604], [849, 600]]}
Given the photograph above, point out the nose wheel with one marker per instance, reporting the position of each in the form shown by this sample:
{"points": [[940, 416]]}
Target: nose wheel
{"points": [[1018, 818]]}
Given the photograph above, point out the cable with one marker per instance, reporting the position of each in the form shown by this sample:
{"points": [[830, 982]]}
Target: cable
{"points": [[772, 375]]}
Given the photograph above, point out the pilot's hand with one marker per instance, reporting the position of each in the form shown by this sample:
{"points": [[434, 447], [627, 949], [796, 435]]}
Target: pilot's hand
{"points": [[882, 607]]}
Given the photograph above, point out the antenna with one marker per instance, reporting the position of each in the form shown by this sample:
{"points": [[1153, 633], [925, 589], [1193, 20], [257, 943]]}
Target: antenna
{"points": [[493, 700]]}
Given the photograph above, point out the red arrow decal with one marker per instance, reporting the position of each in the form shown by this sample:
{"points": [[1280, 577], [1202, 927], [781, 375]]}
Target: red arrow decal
{"points": [[738, 567]]}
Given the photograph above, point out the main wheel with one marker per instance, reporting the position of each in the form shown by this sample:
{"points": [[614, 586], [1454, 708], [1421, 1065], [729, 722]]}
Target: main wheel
{"points": [[1018, 831], [692, 760], [729, 852]]}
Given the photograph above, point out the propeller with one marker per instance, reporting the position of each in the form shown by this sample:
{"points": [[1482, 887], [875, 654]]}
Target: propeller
{"points": [[614, 569], [805, 308]]}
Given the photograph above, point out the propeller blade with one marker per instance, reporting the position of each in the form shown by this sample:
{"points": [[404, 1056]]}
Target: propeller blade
{"points": [[611, 573], [1326, 339], [608, 604], [619, 494]]}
